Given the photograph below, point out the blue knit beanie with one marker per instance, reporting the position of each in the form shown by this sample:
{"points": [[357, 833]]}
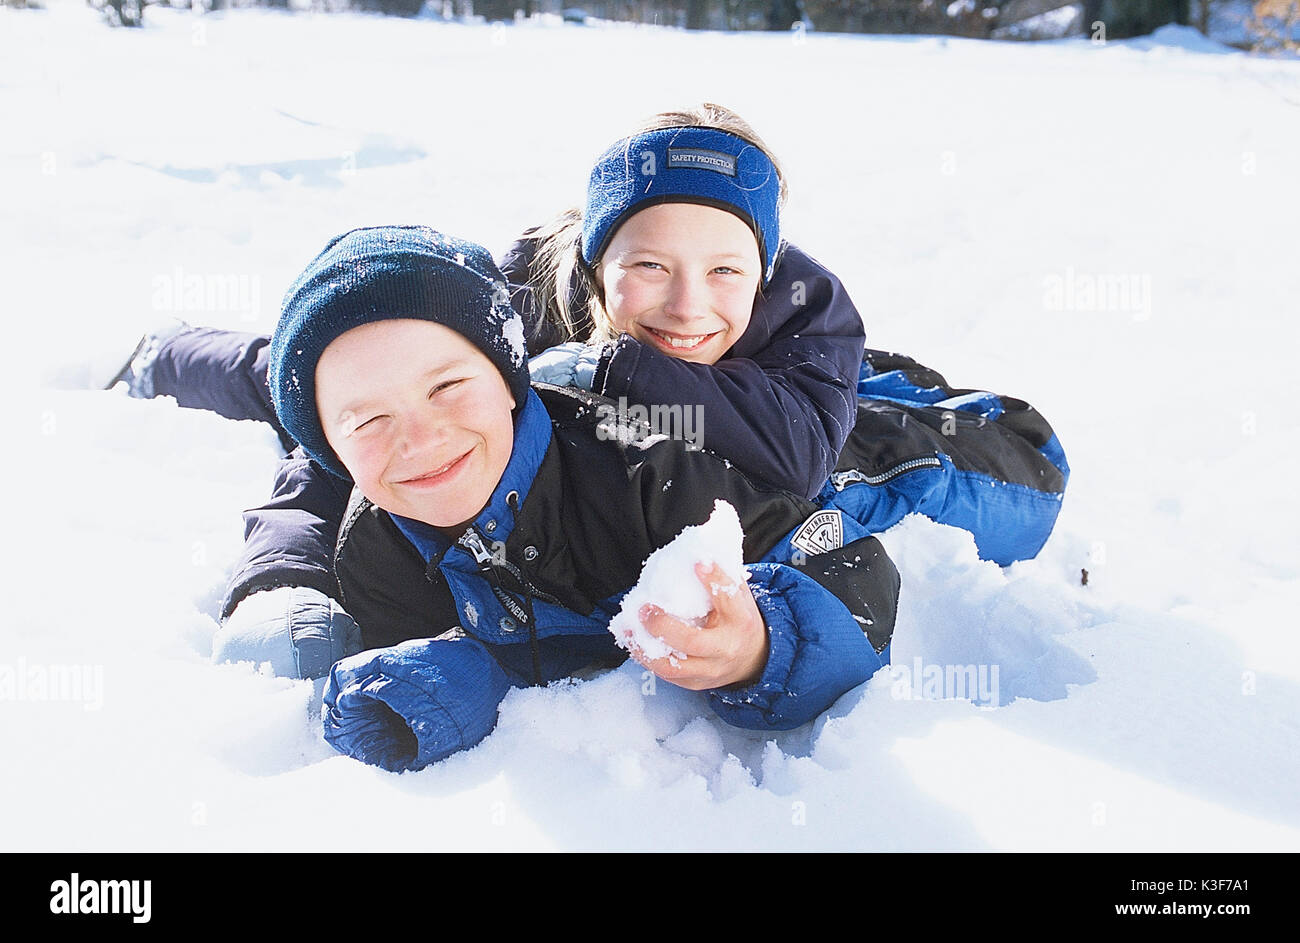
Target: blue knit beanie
{"points": [[376, 274], [684, 165]]}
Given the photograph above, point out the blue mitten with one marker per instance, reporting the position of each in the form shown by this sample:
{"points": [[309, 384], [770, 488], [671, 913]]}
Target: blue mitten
{"points": [[412, 704], [572, 364], [299, 630]]}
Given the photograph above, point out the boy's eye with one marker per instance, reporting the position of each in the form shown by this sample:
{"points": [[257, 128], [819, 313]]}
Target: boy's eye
{"points": [[369, 422], [726, 270], [445, 385], [653, 266]]}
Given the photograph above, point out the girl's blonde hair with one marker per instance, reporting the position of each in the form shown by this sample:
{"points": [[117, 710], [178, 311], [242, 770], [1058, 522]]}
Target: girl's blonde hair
{"points": [[558, 258]]}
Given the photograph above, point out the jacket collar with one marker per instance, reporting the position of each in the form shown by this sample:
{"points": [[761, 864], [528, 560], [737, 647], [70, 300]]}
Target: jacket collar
{"points": [[497, 519]]}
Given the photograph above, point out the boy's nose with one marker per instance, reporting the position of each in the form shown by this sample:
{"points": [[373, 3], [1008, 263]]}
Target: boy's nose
{"points": [[421, 433]]}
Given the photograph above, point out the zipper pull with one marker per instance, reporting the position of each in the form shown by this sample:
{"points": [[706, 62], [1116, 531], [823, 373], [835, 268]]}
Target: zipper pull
{"points": [[472, 543]]}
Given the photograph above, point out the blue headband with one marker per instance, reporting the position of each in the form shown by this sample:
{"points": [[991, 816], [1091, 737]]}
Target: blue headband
{"points": [[684, 165]]}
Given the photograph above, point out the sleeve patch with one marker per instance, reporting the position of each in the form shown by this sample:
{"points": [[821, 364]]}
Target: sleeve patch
{"points": [[822, 532]]}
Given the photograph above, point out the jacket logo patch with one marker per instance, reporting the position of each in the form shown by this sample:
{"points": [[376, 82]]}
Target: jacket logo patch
{"points": [[822, 532]]}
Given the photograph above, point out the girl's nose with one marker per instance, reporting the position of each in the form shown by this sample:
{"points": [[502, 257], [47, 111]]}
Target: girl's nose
{"points": [[687, 300]]}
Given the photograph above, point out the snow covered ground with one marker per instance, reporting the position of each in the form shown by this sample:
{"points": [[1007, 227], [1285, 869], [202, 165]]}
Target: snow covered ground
{"points": [[1106, 231]]}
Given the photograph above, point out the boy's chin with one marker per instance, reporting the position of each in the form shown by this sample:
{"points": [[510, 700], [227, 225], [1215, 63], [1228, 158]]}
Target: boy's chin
{"points": [[426, 515]]}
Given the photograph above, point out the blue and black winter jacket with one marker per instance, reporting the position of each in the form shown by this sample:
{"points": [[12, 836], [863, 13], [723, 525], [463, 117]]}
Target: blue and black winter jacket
{"points": [[986, 463], [525, 594]]}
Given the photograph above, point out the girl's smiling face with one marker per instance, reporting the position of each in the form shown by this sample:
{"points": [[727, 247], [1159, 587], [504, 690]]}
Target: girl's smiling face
{"points": [[419, 416], [682, 278]]}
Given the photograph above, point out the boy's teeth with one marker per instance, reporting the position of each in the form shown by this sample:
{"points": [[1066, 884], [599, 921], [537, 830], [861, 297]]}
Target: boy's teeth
{"points": [[437, 471]]}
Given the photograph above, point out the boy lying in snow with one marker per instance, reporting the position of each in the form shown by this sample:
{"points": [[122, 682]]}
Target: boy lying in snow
{"points": [[495, 527]]}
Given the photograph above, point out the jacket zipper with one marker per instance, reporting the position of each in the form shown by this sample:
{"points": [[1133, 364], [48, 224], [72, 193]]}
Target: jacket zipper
{"points": [[471, 542], [842, 479], [523, 614]]}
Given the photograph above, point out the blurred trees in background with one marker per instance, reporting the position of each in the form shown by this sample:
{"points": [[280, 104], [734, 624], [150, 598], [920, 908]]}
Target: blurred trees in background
{"points": [[1275, 25], [976, 18], [121, 12], [1269, 26]]}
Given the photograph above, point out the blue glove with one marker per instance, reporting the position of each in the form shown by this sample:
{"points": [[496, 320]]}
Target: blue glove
{"points": [[572, 364], [299, 630], [413, 704]]}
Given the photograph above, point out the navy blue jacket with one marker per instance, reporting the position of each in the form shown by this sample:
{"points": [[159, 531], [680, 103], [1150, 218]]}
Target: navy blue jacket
{"points": [[780, 405]]}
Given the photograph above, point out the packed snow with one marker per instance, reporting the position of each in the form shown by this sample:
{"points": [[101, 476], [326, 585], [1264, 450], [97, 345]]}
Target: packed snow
{"points": [[1107, 231], [668, 580]]}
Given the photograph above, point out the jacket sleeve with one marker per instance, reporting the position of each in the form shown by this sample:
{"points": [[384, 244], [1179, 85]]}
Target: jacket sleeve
{"points": [[817, 653], [412, 704], [781, 404], [289, 541]]}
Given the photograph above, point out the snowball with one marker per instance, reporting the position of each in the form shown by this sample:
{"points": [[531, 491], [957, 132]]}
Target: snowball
{"points": [[668, 579]]}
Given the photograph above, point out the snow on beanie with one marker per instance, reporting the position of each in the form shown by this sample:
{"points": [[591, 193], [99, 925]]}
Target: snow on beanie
{"points": [[381, 273], [684, 165]]}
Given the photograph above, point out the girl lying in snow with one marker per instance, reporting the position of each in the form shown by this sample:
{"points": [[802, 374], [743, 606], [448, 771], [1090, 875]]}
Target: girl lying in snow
{"points": [[494, 527], [677, 280]]}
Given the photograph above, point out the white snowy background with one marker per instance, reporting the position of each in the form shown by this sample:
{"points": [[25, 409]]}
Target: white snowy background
{"points": [[957, 187]]}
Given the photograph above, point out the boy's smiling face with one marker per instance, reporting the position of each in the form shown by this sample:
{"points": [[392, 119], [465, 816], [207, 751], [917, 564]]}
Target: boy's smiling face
{"points": [[419, 416]]}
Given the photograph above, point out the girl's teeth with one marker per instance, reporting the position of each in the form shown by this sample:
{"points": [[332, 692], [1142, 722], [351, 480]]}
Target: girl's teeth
{"points": [[682, 341]]}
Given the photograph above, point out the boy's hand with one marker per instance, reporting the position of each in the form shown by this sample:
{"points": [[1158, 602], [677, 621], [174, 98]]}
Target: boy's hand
{"points": [[729, 646]]}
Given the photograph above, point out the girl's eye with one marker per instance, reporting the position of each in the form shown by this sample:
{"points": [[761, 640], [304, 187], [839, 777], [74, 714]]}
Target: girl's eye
{"points": [[655, 266], [726, 270], [369, 422]]}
